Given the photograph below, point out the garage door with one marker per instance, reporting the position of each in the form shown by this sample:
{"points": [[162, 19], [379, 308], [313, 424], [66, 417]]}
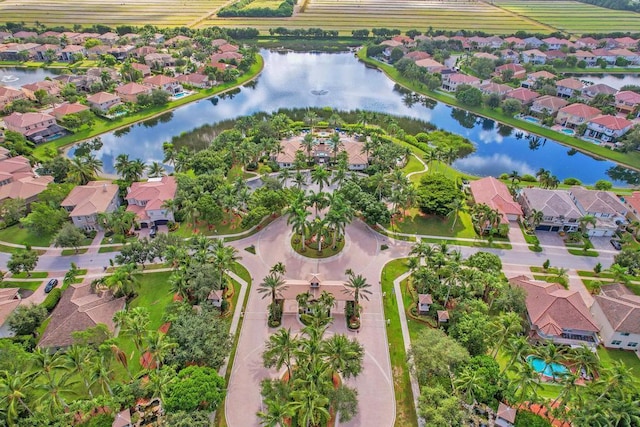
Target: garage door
{"points": [[543, 227]]}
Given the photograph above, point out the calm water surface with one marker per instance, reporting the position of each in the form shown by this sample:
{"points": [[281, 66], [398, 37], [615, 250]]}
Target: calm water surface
{"points": [[288, 81], [16, 77]]}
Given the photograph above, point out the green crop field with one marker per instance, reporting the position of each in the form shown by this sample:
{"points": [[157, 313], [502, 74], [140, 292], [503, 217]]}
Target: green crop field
{"points": [[572, 16], [108, 12], [347, 15], [270, 4]]}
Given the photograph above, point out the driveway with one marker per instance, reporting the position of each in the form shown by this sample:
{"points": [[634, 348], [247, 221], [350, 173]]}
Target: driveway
{"points": [[362, 253]]}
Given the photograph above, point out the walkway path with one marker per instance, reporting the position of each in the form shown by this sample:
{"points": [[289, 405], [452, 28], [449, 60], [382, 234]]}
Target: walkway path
{"points": [[424, 165]]}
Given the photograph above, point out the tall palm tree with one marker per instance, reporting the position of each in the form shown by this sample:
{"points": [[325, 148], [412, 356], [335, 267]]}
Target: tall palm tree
{"points": [[311, 118], [280, 349], [77, 359], [308, 142], [457, 205], [526, 382], [46, 362], [320, 176], [54, 388], [535, 218], [298, 220], [134, 323], [83, 169], [516, 349], [344, 356], [156, 170], [585, 360], [123, 281], [357, 286], [469, 383], [158, 345], [15, 389], [276, 415], [310, 406], [505, 326], [585, 221], [101, 374], [272, 285], [223, 259], [318, 200], [122, 164], [336, 144], [550, 354]]}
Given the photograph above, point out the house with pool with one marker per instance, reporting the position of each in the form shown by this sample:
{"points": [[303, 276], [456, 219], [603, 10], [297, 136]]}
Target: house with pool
{"points": [[557, 314], [617, 310]]}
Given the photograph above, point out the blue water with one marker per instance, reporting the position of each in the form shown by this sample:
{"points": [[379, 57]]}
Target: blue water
{"points": [[292, 80], [550, 370], [569, 131], [532, 119], [180, 95]]}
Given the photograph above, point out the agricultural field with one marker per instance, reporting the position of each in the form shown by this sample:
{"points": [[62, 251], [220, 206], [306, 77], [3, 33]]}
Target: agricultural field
{"points": [[167, 13], [347, 15], [269, 4], [572, 16]]}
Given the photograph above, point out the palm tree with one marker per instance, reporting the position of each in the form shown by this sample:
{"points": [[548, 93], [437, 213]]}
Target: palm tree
{"points": [[357, 286], [469, 383], [318, 200], [311, 118], [15, 389], [344, 356], [516, 348], [77, 359], [272, 285], [318, 227], [46, 362], [505, 326], [526, 382], [336, 144], [535, 218], [158, 346], [101, 374], [280, 350], [514, 176], [123, 280], [122, 164], [298, 220], [300, 179], [308, 142], [585, 221], [550, 354], [619, 273], [83, 169], [457, 205], [310, 406], [321, 177], [278, 268], [585, 360], [54, 388], [134, 323], [224, 257], [276, 415], [156, 170]]}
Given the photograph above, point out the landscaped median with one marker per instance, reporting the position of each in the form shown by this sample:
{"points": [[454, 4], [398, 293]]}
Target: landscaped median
{"points": [[631, 160], [43, 152]]}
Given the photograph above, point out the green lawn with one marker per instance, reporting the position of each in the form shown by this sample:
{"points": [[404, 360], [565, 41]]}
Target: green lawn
{"points": [[230, 225], [415, 222], [629, 358], [34, 275], [405, 410], [23, 236], [413, 165], [30, 285]]}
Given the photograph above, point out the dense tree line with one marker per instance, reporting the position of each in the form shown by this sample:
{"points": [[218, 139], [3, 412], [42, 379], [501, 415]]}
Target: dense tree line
{"points": [[615, 4], [243, 8]]}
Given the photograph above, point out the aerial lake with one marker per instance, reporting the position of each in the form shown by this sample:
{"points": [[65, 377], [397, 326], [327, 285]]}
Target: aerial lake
{"points": [[340, 81]]}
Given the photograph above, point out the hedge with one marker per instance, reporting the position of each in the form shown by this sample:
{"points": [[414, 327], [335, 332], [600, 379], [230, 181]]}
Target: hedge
{"points": [[52, 299]]}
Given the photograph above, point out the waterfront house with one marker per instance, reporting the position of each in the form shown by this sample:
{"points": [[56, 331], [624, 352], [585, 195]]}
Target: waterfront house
{"points": [[71, 52], [417, 55], [195, 80], [548, 104], [617, 311], [36, 127], [431, 65], [533, 42], [67, 109], [499, 89], [556, 314], [85, 202], [165, 83], [524, 95], [103, 101], [450, 82], [533, 79], [51, 87], [569, 87], [588, 57], [632, 57], [495, 194], [9, 95], [557, 206], [576, 114], [129, 92], [590, 92], [554, 43], [608, 128], [146, 200], [605, 55], [627, 102]]}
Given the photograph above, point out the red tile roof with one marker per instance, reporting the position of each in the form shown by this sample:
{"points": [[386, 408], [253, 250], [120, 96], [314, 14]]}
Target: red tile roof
{"points": [[523, 94], [65, 109], [612, 122], [496, 195], [581, 110]]}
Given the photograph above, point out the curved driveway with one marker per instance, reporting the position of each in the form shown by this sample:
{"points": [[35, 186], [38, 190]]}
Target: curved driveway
{"points": [[363, 255]]}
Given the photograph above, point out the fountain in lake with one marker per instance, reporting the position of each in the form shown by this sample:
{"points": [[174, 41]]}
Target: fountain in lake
{"points": [[8, 78]]}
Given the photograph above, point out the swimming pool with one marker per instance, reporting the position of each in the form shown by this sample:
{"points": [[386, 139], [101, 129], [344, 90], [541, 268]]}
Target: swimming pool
{"points": [[180, 95], [592, 140], [550, 370], [531, 119], [569, 131]]}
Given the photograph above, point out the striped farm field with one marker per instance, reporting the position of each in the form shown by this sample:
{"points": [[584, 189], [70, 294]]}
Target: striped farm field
{"points": [[108, 12], [572, 16], [347, 15]]}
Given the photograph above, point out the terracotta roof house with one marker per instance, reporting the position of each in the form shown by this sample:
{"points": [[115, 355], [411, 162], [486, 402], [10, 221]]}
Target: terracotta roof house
{"points": [[576, 114], [70, 52], [417, 55], [4, 35], [109, 38], [497, 88], [517, 70], [129, 92], [534, 56], [85, 202], [9, 300], [548, 104], [533, 42], [608, 128], [25, 35], [555, 54], [43, 52], [540, 75], [486, 55], [632, 57], [218, 42], [37, 127], [228, 48], [225, 56], [450, 82], [524, 95], [588, 42], [626, 101], [103, 101], [496, 195], [66, 109], [26, 188], [322, 152], [389, 43], [165, 83], [560, 212], [633, 204], [79, 308], [8, 95], [12, 168], [431, 65], [617, 310], [509, 55], [506, 416], [590, 92], [515, 42], [146, 199], [14, 51], [178, 40], [159, 60], [626, 42], [588, 57], [52, 87], [143, 68], [195, 79], [555, 43], [443, 316], [557, 314], [605, 54], [569, 87]]}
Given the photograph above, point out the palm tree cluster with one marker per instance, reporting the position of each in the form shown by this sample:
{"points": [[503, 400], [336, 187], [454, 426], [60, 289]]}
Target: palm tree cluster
{"points": [[310, 389], [487, 220], [134, 170], [272, 286], [546, 179], [119, 222]]}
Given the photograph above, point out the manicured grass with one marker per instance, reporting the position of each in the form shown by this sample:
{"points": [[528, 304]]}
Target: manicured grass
{"points": [[581, 252], [415, 222], [413, 165], [629, 358], [107, 249], [405, 409], [23, 236], [32, 286], [68, 252], [230, 225], [631, 159], [34, 275]]}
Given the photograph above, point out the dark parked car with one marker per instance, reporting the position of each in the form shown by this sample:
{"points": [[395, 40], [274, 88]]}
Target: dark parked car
{"points": [[616, 244], [154, 231], [52, 284]]}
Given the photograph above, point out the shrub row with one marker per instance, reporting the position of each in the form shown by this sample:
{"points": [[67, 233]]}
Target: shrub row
{"points": [[239, 9], [52, 299]]}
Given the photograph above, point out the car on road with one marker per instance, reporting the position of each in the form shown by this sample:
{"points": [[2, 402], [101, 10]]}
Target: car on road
{"points": [[50, 285], [616, 244]]}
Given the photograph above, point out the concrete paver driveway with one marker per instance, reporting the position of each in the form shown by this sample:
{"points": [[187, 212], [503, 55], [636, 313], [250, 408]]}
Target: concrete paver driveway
{"points": [[363, 255]]}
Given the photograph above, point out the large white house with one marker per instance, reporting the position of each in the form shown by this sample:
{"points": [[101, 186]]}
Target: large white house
{"points": [[617, 310]]}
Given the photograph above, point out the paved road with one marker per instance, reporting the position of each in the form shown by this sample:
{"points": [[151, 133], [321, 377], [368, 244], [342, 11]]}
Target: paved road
{"points": [[362, 254]]}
